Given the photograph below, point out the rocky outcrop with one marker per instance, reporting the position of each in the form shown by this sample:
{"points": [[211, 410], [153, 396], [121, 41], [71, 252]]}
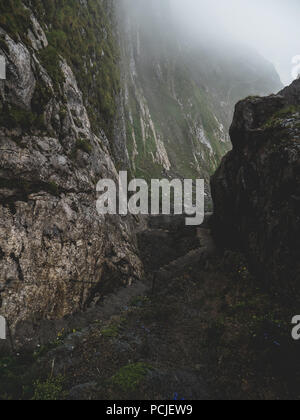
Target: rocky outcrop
{"points": [[56, 253], [256, 190]]}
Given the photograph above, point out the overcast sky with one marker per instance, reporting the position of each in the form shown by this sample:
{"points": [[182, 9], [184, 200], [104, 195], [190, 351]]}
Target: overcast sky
{"points": [[270, 26]]}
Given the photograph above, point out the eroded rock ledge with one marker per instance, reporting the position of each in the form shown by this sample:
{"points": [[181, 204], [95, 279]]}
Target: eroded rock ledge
{"points": [[256, 190]]}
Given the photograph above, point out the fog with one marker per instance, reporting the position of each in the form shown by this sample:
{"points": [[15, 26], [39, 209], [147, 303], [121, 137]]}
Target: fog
{"points": [[270, 26]]}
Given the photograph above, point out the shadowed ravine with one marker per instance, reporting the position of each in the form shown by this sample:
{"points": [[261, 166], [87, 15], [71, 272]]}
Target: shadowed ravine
{"points": [[109, 307], [176, 337]]}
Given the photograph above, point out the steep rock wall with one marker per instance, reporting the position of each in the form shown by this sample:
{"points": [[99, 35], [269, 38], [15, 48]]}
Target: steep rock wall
{"points": [[256, 190], [56, 252]]}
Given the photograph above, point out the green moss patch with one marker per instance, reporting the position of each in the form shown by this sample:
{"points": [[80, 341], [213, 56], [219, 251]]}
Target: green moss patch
{"points": [[49, 390], [129, 377], [110, 332], [84, 145], [14, 18], [82, 34], [12, 116], [285, 113], [81, 144], [50, 60]]}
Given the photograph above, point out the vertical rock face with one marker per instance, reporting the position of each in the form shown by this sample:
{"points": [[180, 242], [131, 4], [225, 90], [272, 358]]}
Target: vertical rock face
{"points": [[256, 190], [179, 92], [56, 252]]}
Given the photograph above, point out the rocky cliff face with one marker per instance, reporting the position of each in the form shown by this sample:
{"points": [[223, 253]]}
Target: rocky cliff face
{"points": [[179, 94], [256, 190], [56, 252]]}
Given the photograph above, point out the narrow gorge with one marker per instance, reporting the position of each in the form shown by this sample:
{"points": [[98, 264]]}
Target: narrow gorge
{"points": [[117, 307]]}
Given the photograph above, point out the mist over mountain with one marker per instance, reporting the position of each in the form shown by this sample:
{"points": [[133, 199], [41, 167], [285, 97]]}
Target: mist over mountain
{"points": [[181, 87], [270, 27]]}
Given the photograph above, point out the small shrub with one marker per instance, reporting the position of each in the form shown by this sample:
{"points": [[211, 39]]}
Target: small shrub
{"points": [[41, 97], [50, 390], [53, 189], [50, 60], [110, 332], [84, 145], [130, 376], [12, 116]]}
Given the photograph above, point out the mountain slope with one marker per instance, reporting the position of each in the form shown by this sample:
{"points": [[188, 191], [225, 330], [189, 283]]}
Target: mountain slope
{"points": [[179, 94]]}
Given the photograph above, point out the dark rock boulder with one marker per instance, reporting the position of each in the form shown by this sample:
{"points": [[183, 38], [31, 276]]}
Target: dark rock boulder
{"points": [[256, 190]]}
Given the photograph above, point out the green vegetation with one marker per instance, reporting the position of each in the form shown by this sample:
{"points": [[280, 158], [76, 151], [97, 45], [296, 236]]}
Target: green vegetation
{"points": [[251, 98], [3, 44], [110, 332], [289, 110], [41, 97], [49, 390], [129, 377], [276, 119], [25, 187], [81, 144], [114, 328], [84, 145], [20, 379], [14, 18], [23, 377], [53, 188], [12, 116], [82, 34], [174, 121], [139, 301], [50, 60]]}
